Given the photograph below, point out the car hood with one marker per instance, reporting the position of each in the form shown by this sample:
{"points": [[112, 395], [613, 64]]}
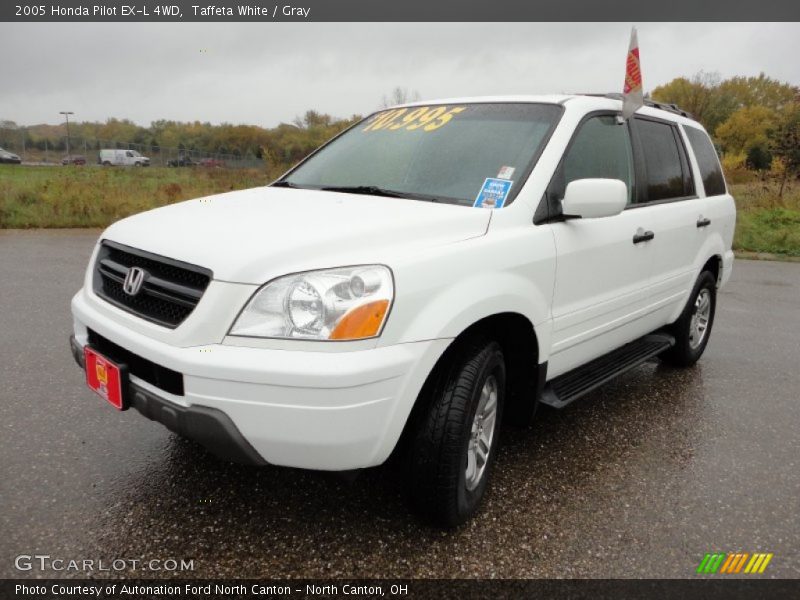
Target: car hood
{"points": [[252, 236]]}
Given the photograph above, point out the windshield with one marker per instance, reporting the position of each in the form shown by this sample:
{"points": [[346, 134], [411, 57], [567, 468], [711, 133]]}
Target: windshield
{"points": [[449, 153]]}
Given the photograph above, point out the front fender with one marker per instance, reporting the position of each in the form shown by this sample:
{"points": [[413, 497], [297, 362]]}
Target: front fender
{"points": [[500, 293], [444, 294]]}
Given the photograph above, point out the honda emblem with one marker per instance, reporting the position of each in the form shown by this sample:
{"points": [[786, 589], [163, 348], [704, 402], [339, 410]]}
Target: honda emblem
{"points": [[133, 281]]}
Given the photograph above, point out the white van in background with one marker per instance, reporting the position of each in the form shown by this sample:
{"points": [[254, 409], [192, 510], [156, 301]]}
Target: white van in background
{"points": [[123, 158]]}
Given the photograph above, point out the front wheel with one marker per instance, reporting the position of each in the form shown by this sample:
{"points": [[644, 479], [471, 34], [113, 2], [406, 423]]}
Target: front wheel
{"points": [[693, 327], [455, 443]]}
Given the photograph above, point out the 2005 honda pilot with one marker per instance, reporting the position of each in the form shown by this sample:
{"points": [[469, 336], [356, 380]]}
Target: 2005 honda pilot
{"points": [[431, 270]]}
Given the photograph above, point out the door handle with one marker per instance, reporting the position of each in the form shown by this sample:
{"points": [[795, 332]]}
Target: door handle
{"points": [[703, 222], [643, 236]]}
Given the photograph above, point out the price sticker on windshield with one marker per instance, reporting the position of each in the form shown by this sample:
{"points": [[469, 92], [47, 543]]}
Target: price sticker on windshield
{"points": [[493, 194], [422, 118]]}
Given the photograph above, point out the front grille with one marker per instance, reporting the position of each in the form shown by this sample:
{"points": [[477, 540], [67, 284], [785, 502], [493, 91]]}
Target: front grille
{"points": [[161, 377], [170, 289]]}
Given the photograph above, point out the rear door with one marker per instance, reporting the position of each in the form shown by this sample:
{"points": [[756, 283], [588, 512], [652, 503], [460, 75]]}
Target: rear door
{"points": [[669, 198], [602, 272], [717, 210]]}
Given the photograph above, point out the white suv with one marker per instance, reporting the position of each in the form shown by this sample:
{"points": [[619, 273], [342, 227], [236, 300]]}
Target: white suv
{"points": [[432, 269]]}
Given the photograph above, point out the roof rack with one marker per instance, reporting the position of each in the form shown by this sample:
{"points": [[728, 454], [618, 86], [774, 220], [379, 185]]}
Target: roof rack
{"points": [[673, 108]]}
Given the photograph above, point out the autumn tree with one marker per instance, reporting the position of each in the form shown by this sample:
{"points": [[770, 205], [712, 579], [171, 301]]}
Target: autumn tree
{"points": [[786, 143], [699, 96], [757, 91], [746, 128], [712, 101]]}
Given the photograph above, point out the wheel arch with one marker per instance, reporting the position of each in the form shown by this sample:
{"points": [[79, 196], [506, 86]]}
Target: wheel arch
{"points": [[518, 338], [714, 266]]}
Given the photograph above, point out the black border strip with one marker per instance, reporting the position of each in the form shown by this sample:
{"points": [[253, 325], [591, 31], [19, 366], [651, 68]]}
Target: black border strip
{"points": [[411, 11], [699, 588]]}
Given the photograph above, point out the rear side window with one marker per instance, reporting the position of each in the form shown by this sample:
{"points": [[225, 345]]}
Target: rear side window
{"points": [[707, 160], [667, 174]]}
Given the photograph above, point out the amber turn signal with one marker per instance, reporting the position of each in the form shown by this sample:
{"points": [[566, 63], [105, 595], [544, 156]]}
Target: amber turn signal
{"points": [[361, 322]]}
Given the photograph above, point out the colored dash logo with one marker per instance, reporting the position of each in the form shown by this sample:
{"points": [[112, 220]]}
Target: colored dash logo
{"points": [[732, 563]]}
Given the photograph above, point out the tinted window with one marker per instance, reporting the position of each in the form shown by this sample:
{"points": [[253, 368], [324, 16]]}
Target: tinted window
{"points": [[600, 149], [662, 159], [707, 160]]}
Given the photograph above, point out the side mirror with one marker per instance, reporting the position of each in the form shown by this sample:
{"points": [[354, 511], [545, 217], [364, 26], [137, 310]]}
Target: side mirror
{"points": [[594, 198]]}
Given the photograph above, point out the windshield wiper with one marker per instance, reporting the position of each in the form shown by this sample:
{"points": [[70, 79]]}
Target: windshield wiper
{"points": [[372, 190], [379, 191], [284, 183]]}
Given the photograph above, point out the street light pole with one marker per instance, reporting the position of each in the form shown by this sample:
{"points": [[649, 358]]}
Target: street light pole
{"points": [[66, 114]]}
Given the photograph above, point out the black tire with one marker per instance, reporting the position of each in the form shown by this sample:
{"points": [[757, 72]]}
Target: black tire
{"points": [[106, 163], [686, 351], [438, 450]]}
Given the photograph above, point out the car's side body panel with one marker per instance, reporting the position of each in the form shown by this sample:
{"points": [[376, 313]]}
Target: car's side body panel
{"points": [[601, 296], [610, 291]]}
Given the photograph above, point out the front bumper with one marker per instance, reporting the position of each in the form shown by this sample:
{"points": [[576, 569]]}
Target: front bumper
{"points": [[208, 426], [327, 410]]}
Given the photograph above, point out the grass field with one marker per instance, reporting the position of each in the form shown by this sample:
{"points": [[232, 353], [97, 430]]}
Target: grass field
{"points": [[765, 222], [95, 197]]}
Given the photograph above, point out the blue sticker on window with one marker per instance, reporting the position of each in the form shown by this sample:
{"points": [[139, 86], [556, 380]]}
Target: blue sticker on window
{"points": [[493, 194]]}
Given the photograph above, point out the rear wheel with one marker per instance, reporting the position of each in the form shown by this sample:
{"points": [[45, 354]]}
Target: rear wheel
{"points": [[454, 446], [693, 327], [106, 163]]}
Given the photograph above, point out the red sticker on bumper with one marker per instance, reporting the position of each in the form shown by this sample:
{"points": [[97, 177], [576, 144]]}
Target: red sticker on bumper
{"points": [[105, 378]]}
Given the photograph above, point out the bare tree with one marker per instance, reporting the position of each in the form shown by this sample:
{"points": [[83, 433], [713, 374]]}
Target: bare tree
{"points": [[400, 95]]}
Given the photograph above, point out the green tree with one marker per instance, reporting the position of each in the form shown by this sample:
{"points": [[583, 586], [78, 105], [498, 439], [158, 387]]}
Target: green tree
{"points": [[759, 158]]}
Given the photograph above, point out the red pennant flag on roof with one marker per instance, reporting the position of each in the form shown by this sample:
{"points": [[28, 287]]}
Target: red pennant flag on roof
{"points": [[632, 95]]}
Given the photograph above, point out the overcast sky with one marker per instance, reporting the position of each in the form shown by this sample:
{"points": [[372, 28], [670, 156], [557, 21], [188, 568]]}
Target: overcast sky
{"points": [[265, 73]]}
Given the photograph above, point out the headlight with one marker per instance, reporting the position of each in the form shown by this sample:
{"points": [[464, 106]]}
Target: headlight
{"points": [[350, 303]]}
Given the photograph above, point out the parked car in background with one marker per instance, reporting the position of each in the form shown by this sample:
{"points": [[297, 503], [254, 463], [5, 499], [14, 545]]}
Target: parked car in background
{"points": [[182, 161], [9, 157], [123, 158], [211, 162], [75, 159]]}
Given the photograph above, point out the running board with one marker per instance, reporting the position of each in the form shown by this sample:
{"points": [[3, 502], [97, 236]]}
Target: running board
{"points": [[570, 386]]}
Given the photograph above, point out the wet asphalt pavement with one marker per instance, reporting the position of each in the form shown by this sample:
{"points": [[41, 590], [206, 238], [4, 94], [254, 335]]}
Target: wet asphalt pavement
{"points": [[639, 479]]}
